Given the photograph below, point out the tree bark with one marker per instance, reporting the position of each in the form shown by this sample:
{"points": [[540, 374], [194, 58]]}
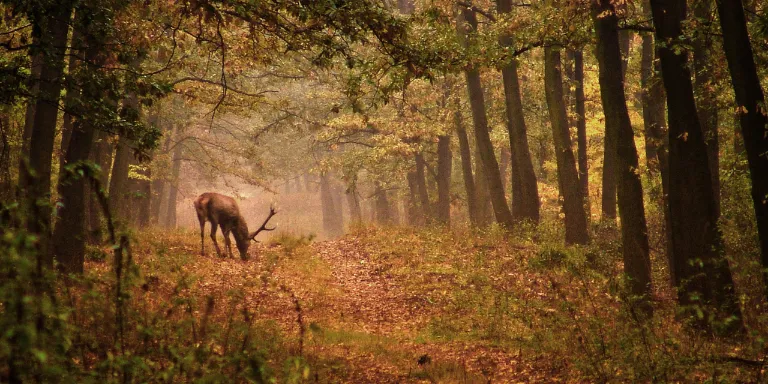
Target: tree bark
{"points": [[353, 201], [706, 103], [444, 168], [29, 117], [72, 93], [482, 136], [525, 192], [581, 128], [466, 167], [655, 131], [36, 185], [751, 103], [330, 211], [634, 232], [573, 200], [101, 154], [421, 188], [703, 275], [173, 194], [382, 211]]}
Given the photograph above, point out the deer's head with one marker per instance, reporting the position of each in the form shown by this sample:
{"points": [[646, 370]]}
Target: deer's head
{"points": [[245, 237]]}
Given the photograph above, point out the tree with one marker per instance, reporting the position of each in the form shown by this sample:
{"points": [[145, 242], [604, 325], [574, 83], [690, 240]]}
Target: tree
{"points": [[581, 127], [568, 178], [482, 137], [444, 168], [466, 166], [655, 129], [703, 275], [70, 234], [634, 232], [750, 102], [52, 28], [525, 193], [706, 103]]}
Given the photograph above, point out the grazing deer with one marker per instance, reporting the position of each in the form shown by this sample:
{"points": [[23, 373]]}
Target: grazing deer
{"points": [[223, 211]]}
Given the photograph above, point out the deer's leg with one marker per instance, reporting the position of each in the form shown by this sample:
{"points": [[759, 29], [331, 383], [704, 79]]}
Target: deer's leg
{"points": [[202, 235], [227, 241], [214, 227]]}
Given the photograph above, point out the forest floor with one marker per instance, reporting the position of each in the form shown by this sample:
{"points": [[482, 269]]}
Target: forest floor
{"points": [[364, 308]]}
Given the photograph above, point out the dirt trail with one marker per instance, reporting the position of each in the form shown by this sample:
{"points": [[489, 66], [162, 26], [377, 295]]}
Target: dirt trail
{"points": [[361, 325]]}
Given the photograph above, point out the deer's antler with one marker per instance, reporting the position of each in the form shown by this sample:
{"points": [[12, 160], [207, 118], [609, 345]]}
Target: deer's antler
{"points": [[263, 227]]}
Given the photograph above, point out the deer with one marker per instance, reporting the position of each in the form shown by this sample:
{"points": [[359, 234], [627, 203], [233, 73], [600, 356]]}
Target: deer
{"points": [[223, 211]]}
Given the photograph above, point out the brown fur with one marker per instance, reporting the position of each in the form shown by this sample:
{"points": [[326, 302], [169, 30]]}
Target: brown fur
{"points": [[222, 211]]}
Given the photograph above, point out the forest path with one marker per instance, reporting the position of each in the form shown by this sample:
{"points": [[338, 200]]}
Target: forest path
{"points": [[365, 323]]}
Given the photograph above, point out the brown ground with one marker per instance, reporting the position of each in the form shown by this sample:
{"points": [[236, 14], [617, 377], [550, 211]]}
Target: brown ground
{"points": [[362, 325]]}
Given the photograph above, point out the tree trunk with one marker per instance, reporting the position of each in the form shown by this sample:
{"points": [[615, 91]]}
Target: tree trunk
{"points": [[444, 168], [413, 211], [29, 118], [573, 200], [101, 154], [36, 186], [6, 187], [70, 236], [525, 192], [634, 232], [353, 201], [173, 194], [703, 275], [382, 206], [581, 128], [751, 103], [118, 180], [482, 136], [73, 91], [706, 104], [655, 131], [466, 167], [421, 188], [330, 211], [504, 159]]}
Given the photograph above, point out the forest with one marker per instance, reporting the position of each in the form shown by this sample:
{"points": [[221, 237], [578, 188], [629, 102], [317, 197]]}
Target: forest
{"points": [[419, 191]]}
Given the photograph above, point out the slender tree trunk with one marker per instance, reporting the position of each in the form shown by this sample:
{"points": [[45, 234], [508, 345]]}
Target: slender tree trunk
{"points": [[73, 91], [353, 201], [413, 211], [444, 168], [706, 104], [482, 194], [608, 202], [655, 131], [573, 200], [466, 168], [173, 194], [118, 180], [99, 155], [634, 232], [504, 160], [29, 117], [525, 193], [382, 210], [330, 211], [581, 128], [482, 136], [36, 186], [703, 274], [6, 187], [421, 187], [751, 103]]}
